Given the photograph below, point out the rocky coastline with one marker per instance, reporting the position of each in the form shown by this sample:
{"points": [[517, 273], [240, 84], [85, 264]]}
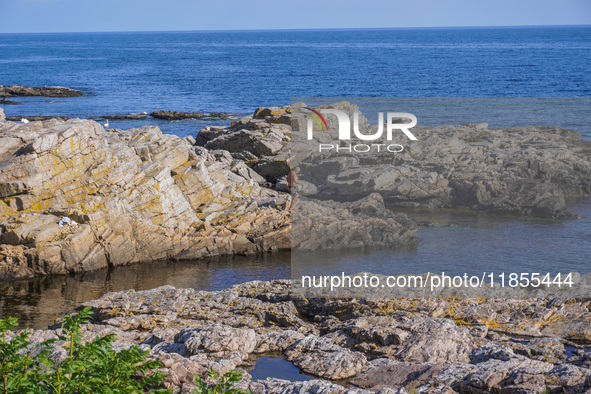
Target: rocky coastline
{"points": [[359, 346], [140, 195], [75, 197]]}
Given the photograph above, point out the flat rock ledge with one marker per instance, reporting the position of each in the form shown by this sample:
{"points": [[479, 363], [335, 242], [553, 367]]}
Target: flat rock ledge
{"points": [[358, 345], [75, 197], [45, 91]]}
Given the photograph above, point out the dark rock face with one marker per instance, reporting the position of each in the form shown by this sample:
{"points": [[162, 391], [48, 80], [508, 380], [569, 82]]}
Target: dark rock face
{"points": [[392, 345], [3, 101], [173, 115], [46, 91]]}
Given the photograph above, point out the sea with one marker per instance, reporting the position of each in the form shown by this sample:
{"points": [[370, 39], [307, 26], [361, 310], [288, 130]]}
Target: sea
{"points": [[238, 71], [546, 69]]}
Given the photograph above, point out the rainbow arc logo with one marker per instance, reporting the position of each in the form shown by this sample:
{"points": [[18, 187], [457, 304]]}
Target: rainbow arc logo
{"points": [[318, 118]]}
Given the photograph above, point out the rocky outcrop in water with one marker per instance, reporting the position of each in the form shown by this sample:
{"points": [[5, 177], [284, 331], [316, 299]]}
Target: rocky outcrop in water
{"points": [[74, 197], [3, 101], [329, 225], [45, 91], [35, 118], [175, 115], [373, 344], [526, 171]]}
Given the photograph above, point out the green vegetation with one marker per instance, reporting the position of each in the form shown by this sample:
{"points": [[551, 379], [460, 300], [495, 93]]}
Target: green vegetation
{"points": [[91, 367], [214, 384]]}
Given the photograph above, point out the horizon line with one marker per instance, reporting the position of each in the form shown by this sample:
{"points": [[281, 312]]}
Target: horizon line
{"points": [[300, 29]]}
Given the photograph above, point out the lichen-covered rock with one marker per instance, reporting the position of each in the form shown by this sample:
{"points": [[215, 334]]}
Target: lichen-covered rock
{"points": [[130, 196], [260, 140], [74, 198], [217, 340]]}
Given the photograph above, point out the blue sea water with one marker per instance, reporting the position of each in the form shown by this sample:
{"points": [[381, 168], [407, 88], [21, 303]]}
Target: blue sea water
{"points": [[237, 72]]}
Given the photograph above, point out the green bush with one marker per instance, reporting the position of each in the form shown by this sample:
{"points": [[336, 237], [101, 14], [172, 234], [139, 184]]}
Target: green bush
{"points": [[91, 367], [214, 384]]}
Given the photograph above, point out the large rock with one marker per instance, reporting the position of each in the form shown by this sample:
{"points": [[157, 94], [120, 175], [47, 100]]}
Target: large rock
{"points": [[74, 198], [528, 171], [322, 357], [397, 375], [135, 195]]}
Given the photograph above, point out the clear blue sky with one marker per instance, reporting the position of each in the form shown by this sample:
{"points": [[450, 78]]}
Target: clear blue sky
{"points": [[20, 16]]}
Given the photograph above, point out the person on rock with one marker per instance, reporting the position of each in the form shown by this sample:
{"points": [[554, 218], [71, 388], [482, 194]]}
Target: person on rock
{"points": [[292, 186]]}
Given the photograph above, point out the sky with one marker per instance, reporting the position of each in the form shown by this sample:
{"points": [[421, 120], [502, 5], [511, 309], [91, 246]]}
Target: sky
{"points": [[49, 16]]}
